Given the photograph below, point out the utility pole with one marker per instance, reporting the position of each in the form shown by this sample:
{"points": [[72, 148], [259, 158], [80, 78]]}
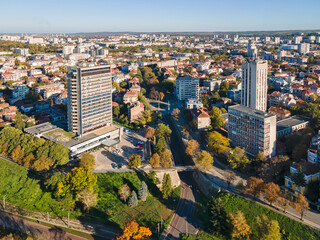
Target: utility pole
{"points": [[48, 216], [186, 228], [4, 202], [68, 218]]}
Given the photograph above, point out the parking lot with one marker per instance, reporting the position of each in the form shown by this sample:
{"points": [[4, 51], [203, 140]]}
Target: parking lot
{"points": [[117, 156]]}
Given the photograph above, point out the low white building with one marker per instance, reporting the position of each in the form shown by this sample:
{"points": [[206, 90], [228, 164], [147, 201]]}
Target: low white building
{"points": [[20, 91]]}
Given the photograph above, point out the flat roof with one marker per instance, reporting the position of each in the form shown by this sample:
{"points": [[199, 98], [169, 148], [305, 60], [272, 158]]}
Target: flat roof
{"points": [[110, 142], [40, 128], [251, 111], [291, 121], [91, 135]]}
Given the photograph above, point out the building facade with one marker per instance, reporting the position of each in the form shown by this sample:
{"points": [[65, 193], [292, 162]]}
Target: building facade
{"points": [[252, 130], [254, 84], [89, 98], [187, 87]]}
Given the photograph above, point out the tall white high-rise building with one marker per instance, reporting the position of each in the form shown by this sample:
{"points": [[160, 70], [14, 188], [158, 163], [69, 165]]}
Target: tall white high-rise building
{"points": [[254, 84], [252, 51], [187, 87], [89, 98]]}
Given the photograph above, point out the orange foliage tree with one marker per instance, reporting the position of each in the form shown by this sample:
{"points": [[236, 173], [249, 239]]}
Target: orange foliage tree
{"points": [[133, 231]]}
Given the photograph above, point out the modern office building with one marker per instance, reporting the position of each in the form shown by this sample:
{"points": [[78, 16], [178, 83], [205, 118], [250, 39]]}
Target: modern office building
{"points": [[89, 98], [254, 84], [252, 130], [187, 87]]}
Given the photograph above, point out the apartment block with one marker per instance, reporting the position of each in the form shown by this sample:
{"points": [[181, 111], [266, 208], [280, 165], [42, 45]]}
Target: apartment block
{"points": [[253, 130], [187, 87]]}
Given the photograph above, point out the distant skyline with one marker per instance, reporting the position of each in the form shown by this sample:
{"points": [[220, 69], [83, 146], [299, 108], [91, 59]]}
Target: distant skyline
{"points": [[70, 16]]}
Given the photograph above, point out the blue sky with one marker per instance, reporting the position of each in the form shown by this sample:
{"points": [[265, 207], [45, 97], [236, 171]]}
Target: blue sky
{"points": [[70, 16]]}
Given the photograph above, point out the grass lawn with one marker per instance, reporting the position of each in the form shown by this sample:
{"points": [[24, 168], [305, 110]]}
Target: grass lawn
{"points": [[290, 228], [22, 188], [149, 213]]}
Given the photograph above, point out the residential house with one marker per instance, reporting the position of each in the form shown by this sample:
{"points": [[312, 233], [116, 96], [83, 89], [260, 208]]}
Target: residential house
{"points": [[130, 96], [135, 111], [202, 118], [280, 112]]}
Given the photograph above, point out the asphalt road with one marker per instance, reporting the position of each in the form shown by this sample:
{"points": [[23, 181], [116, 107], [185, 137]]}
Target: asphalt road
{"points": [[183, 220]]}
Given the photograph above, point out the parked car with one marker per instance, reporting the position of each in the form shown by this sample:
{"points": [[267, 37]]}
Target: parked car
{"points": [[140, 142], [139, 146]]}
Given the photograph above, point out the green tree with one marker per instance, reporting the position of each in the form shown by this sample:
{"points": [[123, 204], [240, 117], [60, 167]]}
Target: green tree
{"points": [[133, 199], [204, 160], [163, 131], [116, 111], [216, 120], [19, 123], [161, 145], [268, 229], [143, 191], [42, 164], [219, 218], [165, 158], [238, 159], [76, 181], [86, 159], [224, 86], [166, 186], [134, 161], [298, 178]]}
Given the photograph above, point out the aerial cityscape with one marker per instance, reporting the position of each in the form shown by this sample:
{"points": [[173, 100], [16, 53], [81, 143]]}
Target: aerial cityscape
{"points": [[165, 120]]}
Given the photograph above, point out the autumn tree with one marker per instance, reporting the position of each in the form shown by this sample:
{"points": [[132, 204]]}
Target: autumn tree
{"points": [[86, 159], [88, 198], [124, 192], [166, 186], [176, 112], [271, 192], [301, 205], [230, 177], [155, 160], [133, 231], [42, 164], [254, 186], [192, 148], [165, 158], [218, 144], [143, 191], [268, 229], [238, 159], [133, 199], [204, 160], [150, 133], [274, 169], [186, 132], [17, 154], [134, 161], [240, 228], [284, 200]]}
